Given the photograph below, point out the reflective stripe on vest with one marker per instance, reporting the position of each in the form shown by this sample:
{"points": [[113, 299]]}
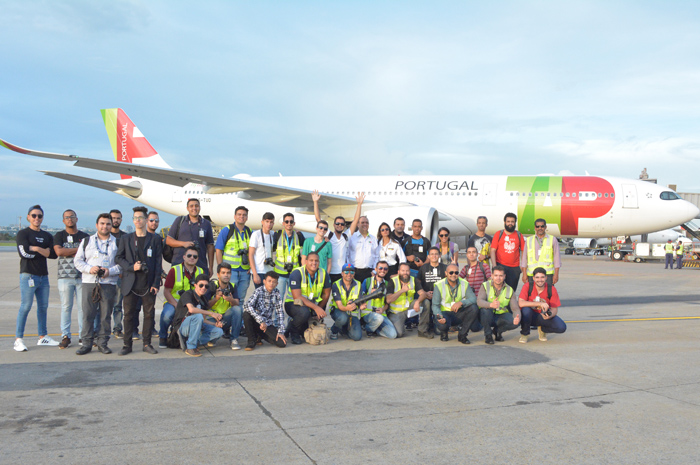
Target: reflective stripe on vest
{"points": [[404, 301], [680, 249], [222, 304], [373, 304], [669, 248], [344, 296], [231, 248], [546, 259], [181, 281], [503, 298], [317, 286], [282, 255], [447, 299]]}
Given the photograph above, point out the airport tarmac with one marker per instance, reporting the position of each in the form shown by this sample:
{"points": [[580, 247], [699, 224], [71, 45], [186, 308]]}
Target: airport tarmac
{"points": [[620, 386]]}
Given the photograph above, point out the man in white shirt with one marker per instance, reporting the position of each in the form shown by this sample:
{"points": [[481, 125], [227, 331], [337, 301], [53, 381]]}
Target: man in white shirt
{"points": [[363, 251], [260, 250]]}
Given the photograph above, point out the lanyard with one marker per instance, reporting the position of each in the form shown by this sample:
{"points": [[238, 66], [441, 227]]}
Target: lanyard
{"points": [[97, 246], [312, 283], [453, 295], [290, 245]]}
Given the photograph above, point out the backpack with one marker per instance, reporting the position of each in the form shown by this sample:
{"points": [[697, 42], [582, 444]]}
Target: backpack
{"points": [[520, 238], [168, 251], [317, 333], [330, 236], [231, 232]]}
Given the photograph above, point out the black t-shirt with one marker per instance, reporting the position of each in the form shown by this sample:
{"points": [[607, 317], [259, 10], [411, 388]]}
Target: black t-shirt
{"points": [[141, 282], [66, 268], [479, 242], [118, 236], [390, 285], [428, 275], [189, 297], [33, 262], [401, 240], [214, 285], [418, 250]]}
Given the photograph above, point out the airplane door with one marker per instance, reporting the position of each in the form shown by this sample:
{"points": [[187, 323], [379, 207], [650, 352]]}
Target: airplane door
{"points": [[629, 196], [489, 197]]}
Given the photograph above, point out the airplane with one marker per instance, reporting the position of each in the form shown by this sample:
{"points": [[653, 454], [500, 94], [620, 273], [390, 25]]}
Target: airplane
{"points": [[573, 206], [657, 237]]}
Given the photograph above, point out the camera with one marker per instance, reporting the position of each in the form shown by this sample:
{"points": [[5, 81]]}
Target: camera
{"points": [[288, 267], [144, 267], [226, 291], [244, 256], [547, 312], [269, 262], [100, 273]]}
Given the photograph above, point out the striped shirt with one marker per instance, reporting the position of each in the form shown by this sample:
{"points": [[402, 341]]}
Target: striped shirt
{"points": [[474, 276], [266, 307]]}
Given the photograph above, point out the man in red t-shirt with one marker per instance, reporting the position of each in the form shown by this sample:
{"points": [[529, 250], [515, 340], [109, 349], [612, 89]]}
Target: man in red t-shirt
{"points": [[506, 248], [538, 309]]}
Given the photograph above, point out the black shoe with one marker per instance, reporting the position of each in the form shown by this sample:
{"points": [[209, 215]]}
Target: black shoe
{"points": [[371, 334], [125, 350], [118, 334], [497, 336], [149, 349], [463, 339], [104, 349], [489, 339], [444, 336], [425, 335], [162, 343], [296, 339], [86, 349]]}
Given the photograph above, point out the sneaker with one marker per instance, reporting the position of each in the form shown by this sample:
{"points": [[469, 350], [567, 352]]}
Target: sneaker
{"points": [[371, 334], [296, 339], [80, 342], [84, 350], [19, 345], [136, 336], [193, 352], [105, 350], [211, 344], [249, 348], [126, 350], [488, 339], [235, 345], [162, 343], [65, 342], [334, 336], [47, 341], [149, 349], [444, 337], [523, 339], [118, 334], [425, 335], [541, 334]]}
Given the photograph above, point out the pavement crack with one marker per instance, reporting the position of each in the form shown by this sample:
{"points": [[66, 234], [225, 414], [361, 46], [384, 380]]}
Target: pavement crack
{"points": [[275, 421]]}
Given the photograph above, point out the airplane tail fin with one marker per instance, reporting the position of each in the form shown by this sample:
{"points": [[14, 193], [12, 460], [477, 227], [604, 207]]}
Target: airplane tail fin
{"points": [[128, 143]]}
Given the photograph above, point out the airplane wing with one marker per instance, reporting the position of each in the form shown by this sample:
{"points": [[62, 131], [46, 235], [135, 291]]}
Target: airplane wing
{"points": [[252, 190], [133, 189]]}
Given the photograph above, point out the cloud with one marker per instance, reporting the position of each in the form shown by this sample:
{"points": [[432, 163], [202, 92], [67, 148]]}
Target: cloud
{"points": [[675, 151]]}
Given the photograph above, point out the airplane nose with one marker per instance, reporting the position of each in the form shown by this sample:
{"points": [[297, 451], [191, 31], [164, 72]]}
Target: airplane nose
{"points": [[693, 211]]}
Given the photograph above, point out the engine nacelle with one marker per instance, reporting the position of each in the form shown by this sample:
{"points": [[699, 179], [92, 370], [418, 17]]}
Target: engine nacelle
{"points": [[585, 243], [428, 215]]}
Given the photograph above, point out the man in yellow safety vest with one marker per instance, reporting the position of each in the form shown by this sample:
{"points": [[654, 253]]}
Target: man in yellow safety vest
{"points": [[402, 295], [541, 251], [498, 306], [307, 296], [454, 304]]}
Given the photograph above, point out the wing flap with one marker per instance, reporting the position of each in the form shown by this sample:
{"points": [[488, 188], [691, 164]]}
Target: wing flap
{"points": [[133, 189]]}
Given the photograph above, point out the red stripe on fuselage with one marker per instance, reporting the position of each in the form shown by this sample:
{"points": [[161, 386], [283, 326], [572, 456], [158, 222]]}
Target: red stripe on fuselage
{"points": [[574, 208]]}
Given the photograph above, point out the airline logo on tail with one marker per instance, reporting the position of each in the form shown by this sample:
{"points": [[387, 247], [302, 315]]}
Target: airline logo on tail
{"points": [[129, 145]]}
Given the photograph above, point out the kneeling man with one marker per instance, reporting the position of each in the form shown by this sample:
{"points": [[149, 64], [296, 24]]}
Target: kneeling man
{"points": [[307, 296], [538, 309], [194, 329], [401, 295], [454, 304], [499, 310], [263, 314]]}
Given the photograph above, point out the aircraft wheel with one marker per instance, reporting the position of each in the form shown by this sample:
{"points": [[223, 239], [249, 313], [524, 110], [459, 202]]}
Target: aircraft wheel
{"points": [[637, 260], [617, 255]]}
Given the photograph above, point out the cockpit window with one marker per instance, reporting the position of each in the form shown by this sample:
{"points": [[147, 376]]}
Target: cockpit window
{"points": [[668, 195]]}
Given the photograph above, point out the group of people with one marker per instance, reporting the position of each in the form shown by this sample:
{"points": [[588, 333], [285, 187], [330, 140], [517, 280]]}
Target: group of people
{"points": [[400, 281], [674, 254]]}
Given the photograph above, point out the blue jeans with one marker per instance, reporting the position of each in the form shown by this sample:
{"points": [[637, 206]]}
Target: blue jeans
{"points": [[376, 322], [532, 318], [233, 319], [197, 332], [283, 285], [166, 319], [262, 278], [117, 312], [68, 288], [41, 291], [348, 322], [241, 281]]}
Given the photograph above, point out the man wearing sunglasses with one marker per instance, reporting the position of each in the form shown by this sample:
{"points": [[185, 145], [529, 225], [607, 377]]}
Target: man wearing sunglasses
{"points": [[402, 294], [178, 281], [498, 308], [288, 245], [192, 328], [320, 245], [374, 315], [309, 290], [34, 247], [343, 310], [541, 251], [339, 236], [363, 250], [233, 247], [192, 230], [454, 304], [153, 223]]}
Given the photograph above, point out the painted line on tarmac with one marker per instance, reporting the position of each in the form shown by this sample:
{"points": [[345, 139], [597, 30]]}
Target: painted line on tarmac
{"points": [[637, 319], [602, 274]]}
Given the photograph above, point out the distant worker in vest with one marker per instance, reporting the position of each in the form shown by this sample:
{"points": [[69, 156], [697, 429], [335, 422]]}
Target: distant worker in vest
{"points": [[481, 240], [429, 274], [389, 249], [197, 325], [541, 251], [402, 294], [539, 308], [340, 236], [374, 315], [363, 250], [454, 304], [288, 244], [319, 244], [309, 290], [498, 307], [679, 254], [264, 314], [346, 315], [223, 299], [232, 247], [260, 251], [192, 230], [180, 279], [506, 250], [669, 249]]}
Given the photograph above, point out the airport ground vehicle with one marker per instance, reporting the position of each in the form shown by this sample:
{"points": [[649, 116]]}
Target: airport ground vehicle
{"points": [[644, 251]]}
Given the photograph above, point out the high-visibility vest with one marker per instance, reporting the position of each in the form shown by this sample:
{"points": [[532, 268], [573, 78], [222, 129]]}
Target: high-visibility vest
{"points": [[404, 301], [546, 258], [221, 305], [312, 291], [283, 254], [182, 283], [446, 295], [503, 298], [373, 304], [234, 245], [680, 249], [669, 248], [345, 297]]}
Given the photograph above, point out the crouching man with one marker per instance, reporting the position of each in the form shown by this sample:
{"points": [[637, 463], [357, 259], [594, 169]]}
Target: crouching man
{"points": [[402, 294], [223, 299], [499, 310], [539, 309], [307, 296], [454, 304], [192, 327], [263, 314]]}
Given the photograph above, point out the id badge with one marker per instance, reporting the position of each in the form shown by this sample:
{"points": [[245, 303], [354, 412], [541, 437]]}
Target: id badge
{"points": [[30, 282], [420, 249], [69, 239], [149, 252], [201, 233], [105, 263], [311, 296], [469, 272]]}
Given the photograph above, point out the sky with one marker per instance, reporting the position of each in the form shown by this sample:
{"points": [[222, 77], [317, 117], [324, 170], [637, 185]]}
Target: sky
{"points": [[349, 88]]}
